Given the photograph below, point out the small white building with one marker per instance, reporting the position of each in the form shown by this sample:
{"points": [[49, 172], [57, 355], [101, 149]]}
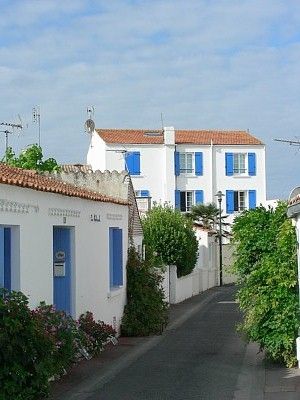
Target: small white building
{"points": [[185, 167], [63, 244]]}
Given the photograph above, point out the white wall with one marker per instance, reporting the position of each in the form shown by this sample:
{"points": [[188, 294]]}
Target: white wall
{"points": [[91, 264]]}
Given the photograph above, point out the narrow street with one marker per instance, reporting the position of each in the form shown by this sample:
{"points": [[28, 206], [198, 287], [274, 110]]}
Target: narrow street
{"points": [[200, 359]]}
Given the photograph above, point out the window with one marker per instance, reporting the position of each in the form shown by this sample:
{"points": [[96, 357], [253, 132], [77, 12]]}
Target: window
{"points": [[186, 163], [239, 199], [239, 163], [115, 257], [186, 201], [142, 193]]}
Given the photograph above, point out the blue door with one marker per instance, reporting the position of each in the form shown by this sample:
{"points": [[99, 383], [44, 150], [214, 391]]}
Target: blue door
{"points": [[5, 258], [62, 264]]}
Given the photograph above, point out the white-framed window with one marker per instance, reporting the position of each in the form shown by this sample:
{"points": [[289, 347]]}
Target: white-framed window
{"points": [[239, 163], [239, 198], [186, 163], [186, 200]]}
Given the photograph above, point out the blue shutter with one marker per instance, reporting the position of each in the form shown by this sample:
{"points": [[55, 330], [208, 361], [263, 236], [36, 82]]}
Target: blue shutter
{"points": [[252, 164], [144, 193], [132, 162], [136, 163], [199, 196], [129, 162], [7, 258], [111, 256], [229, 201], [229, 164], [177, 199], [117, 257], [199, 163], [176, 163], [252, 199]]}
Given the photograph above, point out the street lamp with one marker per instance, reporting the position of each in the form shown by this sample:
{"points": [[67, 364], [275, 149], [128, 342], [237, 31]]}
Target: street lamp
{"points": [[219, 195]]}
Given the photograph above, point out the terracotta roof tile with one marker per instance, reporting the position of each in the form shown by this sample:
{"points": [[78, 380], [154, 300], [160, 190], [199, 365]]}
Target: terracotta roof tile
{"points": [[33, 180], [200, 137]]}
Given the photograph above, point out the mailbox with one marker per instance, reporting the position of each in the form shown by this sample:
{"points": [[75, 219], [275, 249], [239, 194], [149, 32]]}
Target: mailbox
{"points": [[59, 269]]}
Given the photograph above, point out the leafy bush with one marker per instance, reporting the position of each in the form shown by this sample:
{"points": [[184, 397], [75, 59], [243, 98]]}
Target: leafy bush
{"points": [[96, 333], [266, 264], [146, 310], [170, 234], [25, 350], [63, 332]]}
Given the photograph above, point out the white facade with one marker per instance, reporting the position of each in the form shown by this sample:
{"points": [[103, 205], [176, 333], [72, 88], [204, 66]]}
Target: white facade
{"points": [[157, 166], [32, 215]]}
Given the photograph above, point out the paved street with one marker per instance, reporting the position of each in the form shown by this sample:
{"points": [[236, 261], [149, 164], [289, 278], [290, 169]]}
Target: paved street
{"points": [[200, 359], [199, 356]]}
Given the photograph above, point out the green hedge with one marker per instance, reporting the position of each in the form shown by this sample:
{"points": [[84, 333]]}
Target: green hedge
{"points": [[266, 264], [146, 310]]}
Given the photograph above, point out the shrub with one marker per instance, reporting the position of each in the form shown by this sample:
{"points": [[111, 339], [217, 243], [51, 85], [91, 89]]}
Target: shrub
{"points": [[25, 350], [95, 333], [170, 234], [266, 263], [63, 332], [146, 310]]}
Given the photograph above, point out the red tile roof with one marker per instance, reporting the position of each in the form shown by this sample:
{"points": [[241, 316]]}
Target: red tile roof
{"points": [[200, 137], [33, 180]]}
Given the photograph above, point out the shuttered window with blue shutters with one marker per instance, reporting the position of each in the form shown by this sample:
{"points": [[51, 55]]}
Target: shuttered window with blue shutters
{"points": [[132, 162], [199, 197], [229, 164], [115, 257], [177, 199], [252, 199], [252, 164], [176, 163], [198, 163]]}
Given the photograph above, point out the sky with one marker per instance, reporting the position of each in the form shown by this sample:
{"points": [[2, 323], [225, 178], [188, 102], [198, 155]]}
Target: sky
{"points": [[203, 64]]}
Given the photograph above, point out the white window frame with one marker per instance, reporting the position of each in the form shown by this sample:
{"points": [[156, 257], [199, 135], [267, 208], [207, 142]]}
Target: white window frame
{"points": [[241, 200], [240, 167], [189, 202], [183, 168]]}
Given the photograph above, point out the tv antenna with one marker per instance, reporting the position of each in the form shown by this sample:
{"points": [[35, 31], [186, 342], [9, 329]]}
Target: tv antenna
{"points": [[36, 118], [290, 142], [10, 128], [89, 125]]}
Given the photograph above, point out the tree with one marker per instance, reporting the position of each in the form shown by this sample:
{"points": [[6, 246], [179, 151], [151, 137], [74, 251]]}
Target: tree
{"points": [[266, 265], [30, 158], [170, 235], [207, 216], [146, 310]]}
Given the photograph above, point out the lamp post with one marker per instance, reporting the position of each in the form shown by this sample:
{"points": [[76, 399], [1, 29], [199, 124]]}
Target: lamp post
{"points": [[219, 195]]}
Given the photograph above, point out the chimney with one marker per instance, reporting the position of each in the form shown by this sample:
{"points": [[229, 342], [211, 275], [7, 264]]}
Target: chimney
{"points": [[169, 135]]}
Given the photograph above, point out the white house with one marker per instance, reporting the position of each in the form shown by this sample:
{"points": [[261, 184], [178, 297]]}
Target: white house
{"points": [[185, 167], [63, 244]]}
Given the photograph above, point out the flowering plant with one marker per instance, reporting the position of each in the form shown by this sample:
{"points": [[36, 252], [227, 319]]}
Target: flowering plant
{"points": [[97, 333]]}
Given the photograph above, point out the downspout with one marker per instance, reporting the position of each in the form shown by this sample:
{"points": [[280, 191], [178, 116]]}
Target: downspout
{"points": [[212, 170]]}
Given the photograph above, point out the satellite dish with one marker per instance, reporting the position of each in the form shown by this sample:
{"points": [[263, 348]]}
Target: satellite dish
{"points": [[89, 125]]}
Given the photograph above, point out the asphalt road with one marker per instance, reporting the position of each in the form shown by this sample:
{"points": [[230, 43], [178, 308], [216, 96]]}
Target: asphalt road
{"points": [[200, 359]]}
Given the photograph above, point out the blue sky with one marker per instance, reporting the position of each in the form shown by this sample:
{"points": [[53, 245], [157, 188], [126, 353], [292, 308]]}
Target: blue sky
{"points": [[205, 64]]}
